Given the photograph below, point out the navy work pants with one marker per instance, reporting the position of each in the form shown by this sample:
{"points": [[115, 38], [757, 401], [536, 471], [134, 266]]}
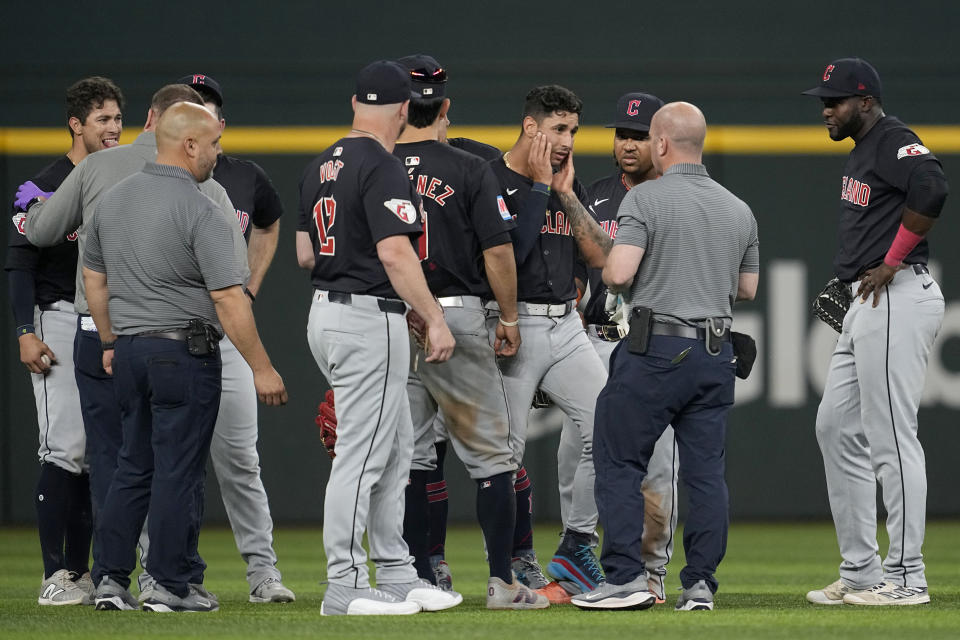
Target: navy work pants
{"points": [[101, 417], [168, 406], [693, 391]]}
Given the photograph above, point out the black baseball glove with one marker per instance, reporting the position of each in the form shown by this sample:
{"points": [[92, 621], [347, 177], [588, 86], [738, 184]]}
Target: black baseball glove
{"points": [[832, 303]]}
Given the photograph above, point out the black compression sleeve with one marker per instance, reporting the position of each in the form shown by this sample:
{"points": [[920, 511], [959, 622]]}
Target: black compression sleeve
{"points": [[21, 296], [927, 190], [529, 222]]}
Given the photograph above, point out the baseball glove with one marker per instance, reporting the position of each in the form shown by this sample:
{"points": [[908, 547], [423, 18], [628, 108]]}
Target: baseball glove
{"points": [[541, 400], [832, 302], [418, 328], [327, 422]]}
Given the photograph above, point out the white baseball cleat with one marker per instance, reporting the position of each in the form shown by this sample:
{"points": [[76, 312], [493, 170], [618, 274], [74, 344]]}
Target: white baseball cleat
{"points": [[832, 593], [348, 601], [59, 589], [428, 596], [888, 594]]}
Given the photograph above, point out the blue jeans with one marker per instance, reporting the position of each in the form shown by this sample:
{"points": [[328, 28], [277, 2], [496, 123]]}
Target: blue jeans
{"points": [[168, 405], [643, 395]]}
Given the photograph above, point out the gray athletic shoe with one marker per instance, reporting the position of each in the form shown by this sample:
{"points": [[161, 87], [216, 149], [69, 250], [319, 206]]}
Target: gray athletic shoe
{"points": [[59, 589], [347, 601], [163, 601], [696, 598], [441, 571], [888, 594], [634, 595], [516, 595], [428, 596], [85, 583], [527, 570], [271, 590], [110, 596], [146, 583]]}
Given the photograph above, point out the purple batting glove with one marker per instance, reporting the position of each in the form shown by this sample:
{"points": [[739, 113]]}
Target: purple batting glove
{"points": [[27, 192]]}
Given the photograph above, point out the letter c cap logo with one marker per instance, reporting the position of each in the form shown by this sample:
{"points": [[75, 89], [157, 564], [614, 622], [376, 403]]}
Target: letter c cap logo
{"points": [[632, 108], [827, 72]]}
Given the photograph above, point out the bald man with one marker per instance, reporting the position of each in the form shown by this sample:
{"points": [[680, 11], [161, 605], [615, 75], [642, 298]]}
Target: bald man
{"points": [[685, 249], [176, 265]]}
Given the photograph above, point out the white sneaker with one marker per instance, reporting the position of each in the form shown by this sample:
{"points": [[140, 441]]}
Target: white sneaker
{"points": [[831, 594], [516, 595], [59, 589], [429, 597], [271, 590], [887, 594], [347, 601]]}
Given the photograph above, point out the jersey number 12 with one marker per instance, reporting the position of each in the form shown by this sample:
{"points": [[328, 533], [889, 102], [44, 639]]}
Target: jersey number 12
{"points": [[323, 214]]}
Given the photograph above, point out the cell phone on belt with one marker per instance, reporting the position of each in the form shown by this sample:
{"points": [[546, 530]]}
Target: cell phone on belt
{"points": [[641, 325]]}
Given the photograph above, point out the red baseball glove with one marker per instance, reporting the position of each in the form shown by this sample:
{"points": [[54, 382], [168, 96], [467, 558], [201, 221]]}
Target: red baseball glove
{"points": [[327, 422]]}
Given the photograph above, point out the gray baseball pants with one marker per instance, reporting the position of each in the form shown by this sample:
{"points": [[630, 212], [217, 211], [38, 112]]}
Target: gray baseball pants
{"points": [[867, 429], [364, 353]]}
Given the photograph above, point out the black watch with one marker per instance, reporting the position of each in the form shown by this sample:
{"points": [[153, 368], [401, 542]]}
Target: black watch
{"points": [[108, 346]]}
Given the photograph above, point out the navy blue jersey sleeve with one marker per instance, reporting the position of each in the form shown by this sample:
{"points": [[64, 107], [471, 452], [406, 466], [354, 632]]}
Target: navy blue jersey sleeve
{"points": [[267, 206]]}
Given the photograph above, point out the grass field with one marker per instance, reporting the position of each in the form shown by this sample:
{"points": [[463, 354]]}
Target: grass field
{"points": [[767, 570]]}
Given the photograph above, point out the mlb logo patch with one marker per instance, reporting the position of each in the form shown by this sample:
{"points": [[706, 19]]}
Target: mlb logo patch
{"points": [[338, 151], [411, 161], [502, 207], [485, 484], [371, 96], [911, 150]]}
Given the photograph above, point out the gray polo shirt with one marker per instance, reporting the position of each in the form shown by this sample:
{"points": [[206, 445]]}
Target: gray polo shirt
{"points": [[163, 245], [697, 236], [74, 202]]}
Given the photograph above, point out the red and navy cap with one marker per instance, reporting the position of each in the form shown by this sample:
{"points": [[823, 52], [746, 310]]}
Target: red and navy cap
{"points": [[198, 80], [635, 110], [384, 82], [848, 77], [427, 77]]}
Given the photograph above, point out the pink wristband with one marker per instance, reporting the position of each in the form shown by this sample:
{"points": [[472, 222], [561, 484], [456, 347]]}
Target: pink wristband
{"points": [[902, 245]]}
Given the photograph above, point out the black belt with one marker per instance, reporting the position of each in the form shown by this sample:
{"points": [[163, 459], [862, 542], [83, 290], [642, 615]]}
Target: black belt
{"points": [[387, 306], [50, 306], [918, 269], [173, 334], [683, 331]]}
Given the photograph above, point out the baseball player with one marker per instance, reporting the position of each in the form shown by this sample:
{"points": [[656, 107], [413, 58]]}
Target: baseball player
{"points": [[42, 285], [631, 151], [892, 191], [467, 257], [557, 356], [49, 221], [358, 232], [234, 446]]}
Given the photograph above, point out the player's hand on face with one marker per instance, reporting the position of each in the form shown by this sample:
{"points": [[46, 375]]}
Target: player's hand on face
{"points": [[563, 179], [108, 361], [874, 280], [35, 354], [539, 159], [507, 341], [270, 388], [440, 342]]}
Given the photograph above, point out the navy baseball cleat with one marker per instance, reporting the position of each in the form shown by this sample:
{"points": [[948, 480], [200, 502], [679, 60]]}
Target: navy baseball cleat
{"points": [[574, 566]]}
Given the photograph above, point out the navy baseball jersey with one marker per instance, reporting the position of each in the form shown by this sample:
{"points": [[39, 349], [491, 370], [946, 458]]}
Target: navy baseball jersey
{"points": [[54, 268], [872, 196], [603, 201], [464, 214], [251, 192], [345, 231], [485, 151], [547, 273]]}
